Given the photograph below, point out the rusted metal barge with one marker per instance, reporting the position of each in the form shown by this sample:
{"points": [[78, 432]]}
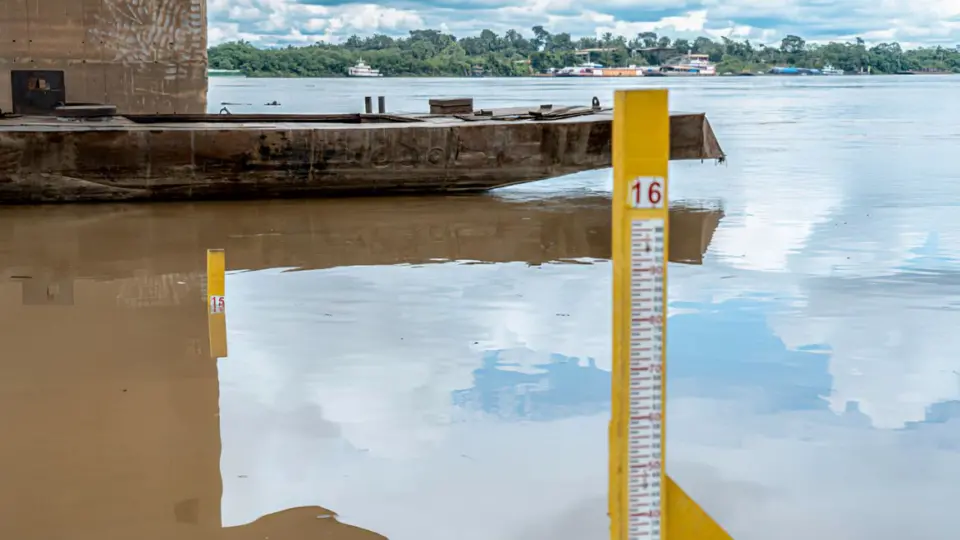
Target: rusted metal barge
{"points": [[63, 158]]}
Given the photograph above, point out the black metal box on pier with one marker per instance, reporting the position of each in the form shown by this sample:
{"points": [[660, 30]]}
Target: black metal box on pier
{"points": [[37, 92]]}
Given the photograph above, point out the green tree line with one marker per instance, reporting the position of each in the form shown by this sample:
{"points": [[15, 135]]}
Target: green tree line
{"points": [[433, 53]]}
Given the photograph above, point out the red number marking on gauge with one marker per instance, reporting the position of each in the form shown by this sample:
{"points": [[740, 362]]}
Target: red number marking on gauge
{"points": [[646, 192]]}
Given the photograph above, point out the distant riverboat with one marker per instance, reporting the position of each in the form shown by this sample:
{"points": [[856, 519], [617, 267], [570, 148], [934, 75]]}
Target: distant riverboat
{"points": [[830, 70], [685, 65], [690, 65], [363, 70]]}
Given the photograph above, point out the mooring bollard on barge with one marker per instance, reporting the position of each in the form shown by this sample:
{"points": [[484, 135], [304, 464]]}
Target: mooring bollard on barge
{"points": [[87, 152]]}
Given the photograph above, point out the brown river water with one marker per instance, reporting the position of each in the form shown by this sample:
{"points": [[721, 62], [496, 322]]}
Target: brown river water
{"points": [[436, 368]]}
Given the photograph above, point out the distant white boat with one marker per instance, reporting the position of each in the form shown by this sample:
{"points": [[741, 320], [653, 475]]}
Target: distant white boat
{"points": [[830, 70], [587, 69], [689, 65], [363, 70]]}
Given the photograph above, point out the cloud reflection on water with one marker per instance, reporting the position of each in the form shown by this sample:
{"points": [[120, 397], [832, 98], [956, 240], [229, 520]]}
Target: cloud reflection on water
{"points": [[487, 401]]}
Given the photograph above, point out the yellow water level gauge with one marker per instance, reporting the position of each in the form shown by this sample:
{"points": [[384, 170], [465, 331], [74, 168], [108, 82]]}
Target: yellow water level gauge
{"points": [[645, 504]]}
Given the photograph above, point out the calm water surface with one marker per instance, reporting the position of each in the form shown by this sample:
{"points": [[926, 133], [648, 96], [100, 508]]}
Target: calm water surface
{"points": [[436, 368]]}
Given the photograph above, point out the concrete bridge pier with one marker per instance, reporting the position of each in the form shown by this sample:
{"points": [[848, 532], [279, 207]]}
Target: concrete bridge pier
{"points": [[144, 57]]}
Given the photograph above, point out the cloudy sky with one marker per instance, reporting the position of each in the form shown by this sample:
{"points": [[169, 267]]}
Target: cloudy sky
{"points": [[271, 22]]}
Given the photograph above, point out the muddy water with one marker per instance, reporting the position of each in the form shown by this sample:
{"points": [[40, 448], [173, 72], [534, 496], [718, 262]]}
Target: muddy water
{"points": [[439, 368], [367, 370]]}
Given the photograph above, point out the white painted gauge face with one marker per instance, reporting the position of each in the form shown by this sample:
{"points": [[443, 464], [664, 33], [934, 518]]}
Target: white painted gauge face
{"points": [[645, 435]]}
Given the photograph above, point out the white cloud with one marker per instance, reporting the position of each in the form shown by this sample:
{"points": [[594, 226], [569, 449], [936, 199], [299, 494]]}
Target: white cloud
{"points": [[694, 21], [279, 22], [273, 22]]}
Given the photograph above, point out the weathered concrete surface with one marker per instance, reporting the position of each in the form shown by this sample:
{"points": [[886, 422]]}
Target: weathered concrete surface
{"points": [[51, 160], [144, 56]]}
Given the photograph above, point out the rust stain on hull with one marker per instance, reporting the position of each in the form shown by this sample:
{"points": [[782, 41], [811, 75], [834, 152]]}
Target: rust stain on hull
{"points": [[46, 160]]}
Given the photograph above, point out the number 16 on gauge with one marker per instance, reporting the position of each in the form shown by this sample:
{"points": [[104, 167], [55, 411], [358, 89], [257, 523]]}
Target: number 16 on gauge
{"points": [[646, 192]]}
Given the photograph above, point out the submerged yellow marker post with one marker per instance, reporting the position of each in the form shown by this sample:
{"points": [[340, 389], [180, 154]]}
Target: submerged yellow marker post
{"points": [[216, 302], [644, 503]]}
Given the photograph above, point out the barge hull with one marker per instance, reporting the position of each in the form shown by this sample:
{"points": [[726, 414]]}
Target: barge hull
{"points": [[48, 160]]}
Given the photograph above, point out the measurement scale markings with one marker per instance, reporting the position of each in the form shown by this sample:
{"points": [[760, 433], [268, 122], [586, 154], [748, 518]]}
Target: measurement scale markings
{"points": [[644, 437]]}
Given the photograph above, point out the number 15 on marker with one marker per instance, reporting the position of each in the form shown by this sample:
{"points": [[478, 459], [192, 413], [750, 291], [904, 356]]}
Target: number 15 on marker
{"points": [[217, 304], [646, 192]]}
